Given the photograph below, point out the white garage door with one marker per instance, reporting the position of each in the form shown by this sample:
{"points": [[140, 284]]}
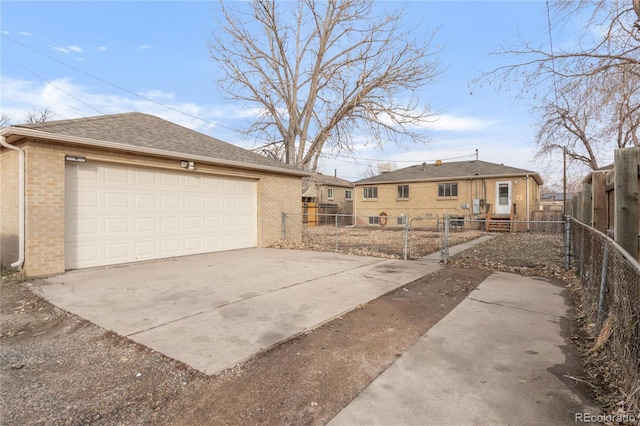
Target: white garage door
{"points": [[118, 214]]}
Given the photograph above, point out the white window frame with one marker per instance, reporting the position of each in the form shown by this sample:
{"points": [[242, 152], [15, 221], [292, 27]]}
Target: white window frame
{"points": [[403, 192], [368, 192], [447, 185], [348, 195], [330, 193], [374, 220]]}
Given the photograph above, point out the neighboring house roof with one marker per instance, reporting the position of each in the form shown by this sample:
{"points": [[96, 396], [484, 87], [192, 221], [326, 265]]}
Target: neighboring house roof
{"points": [[321, 179], [555, 196], [446, 171], [145, 133]]}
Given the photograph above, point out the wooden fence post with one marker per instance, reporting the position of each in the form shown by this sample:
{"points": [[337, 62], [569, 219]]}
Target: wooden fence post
{"points": [[599, 202], [626, 199], [577, 207], [586, 204]]}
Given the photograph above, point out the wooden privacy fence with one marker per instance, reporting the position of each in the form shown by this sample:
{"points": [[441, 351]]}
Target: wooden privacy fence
{"points": [[609, 202]]}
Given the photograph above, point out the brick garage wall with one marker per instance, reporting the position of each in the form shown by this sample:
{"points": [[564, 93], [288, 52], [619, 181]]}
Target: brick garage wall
{"points": [[45, 191], [44, 206], [9, 220], [277, 195]]}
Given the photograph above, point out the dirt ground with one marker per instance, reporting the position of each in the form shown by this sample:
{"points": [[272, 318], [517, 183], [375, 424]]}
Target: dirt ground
{"points": [[376, 241], [57, 368]]}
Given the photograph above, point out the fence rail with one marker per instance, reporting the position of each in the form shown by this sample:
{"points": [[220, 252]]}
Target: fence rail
{"points": [[611, 283], [401, 237]]}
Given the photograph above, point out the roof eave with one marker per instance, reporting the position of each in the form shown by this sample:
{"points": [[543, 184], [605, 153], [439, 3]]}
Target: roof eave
{"points": [[534, 175], [25, 132]]}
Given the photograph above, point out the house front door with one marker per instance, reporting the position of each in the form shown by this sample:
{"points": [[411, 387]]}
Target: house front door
{"points": [[503, 198]]}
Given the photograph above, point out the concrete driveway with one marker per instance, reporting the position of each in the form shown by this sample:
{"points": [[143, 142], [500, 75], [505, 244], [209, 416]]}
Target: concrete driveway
{"points": [[215, 310]]}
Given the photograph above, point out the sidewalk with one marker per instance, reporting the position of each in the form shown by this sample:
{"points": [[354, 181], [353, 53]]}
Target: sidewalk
{"points": [[437, 256], [500, 357]]}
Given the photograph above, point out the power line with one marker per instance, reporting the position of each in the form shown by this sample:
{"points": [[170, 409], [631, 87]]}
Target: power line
{"points": [[553, 66], [345, 158], [114, 85], [53, 85]]}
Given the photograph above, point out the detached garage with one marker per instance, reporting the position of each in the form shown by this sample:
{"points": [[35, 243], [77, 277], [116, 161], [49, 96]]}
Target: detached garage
{"points": [[132, 187]]}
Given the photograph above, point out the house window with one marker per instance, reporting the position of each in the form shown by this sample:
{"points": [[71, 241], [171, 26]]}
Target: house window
{"points": [[347, 195], [403, 191], [447, 190], [374, 220], [370, 192], [402, 220], [330, 193]]}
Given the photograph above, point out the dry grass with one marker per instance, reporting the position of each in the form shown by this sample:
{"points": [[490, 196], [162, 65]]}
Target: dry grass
{"points": [[375, 241]]}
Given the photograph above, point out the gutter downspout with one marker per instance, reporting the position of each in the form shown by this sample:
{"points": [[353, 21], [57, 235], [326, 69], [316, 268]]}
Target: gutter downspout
{"points": [[18, 263]]}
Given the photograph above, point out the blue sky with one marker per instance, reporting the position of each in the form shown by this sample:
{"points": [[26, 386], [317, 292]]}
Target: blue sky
{"points": [[82, 59]]}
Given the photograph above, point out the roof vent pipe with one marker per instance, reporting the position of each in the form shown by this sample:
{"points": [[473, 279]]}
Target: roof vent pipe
{"points": [[18, 263], [424, 167]]}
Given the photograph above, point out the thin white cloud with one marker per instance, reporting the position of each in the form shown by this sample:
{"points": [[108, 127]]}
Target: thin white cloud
{"points": [[25, 33], [69, 100], [102, 48], [145, 46], [454, 123], [157, 94], [67, 49]]}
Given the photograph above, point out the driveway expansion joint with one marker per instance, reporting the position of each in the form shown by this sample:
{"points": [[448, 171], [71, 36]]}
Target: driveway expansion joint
{"points": [[258, 295], [516, 308]]}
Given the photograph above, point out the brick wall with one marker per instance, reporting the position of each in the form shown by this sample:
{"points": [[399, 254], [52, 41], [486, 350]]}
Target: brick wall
{"points": [[423, 198], [9, 221], [45, 189], [278, 194]]}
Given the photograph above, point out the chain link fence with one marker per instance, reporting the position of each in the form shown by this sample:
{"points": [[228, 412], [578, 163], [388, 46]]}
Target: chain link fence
{"points": [[611, 288], [380, 236], [399, 237]]}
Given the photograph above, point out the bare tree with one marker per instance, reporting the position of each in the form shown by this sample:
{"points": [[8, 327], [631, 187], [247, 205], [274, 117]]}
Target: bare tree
{"points": [[589, 97], [40, 116], [5, 120], [321, 71], [275, 150], [33, 117]]}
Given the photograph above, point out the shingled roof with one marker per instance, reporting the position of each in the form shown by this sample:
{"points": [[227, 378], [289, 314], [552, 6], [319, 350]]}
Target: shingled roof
{"points": [[319, 178], [446, 171], [138, 130]]}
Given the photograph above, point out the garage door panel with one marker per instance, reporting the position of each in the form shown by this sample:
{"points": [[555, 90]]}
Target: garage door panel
{"points": [[115, 175], [145, 177], [118, 214], [170, 201], [148, 201], [145, 249], [118, 225], [87, 227], [116, 200], [117, 251], [170, 224], [145, 224]]}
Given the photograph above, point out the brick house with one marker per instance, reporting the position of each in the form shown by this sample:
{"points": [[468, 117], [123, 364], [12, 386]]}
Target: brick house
{"points": [[328, 190], [131, 187], [470, 189]]}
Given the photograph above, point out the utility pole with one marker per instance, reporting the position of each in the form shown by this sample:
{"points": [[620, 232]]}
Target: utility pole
{"points": [[564, 182]]}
